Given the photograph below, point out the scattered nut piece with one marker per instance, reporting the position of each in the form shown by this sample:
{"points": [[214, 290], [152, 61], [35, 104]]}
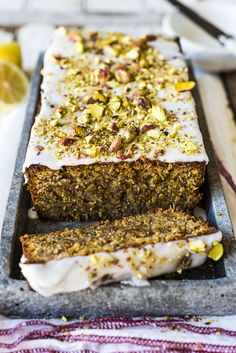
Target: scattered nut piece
{"points": [[158, 113], [66, 141], [116, 144], [197, 246], [38, 149], [79, 47], [145, 128], [54, 122], [159, 152], [151, 37], [133, 54], [216, 252], [92, 151], [122, 75], [184, 86], [96, 111], [114, 127], [153, 133], [81, 131], [114, 103], [124, 156]]}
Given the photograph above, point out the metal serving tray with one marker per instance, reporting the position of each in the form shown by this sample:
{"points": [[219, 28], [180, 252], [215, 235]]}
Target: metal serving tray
{"points": [[209, 289]]}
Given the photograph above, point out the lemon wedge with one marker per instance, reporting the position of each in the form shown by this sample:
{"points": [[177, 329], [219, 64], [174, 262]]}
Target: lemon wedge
{"points": [[11, 52], [13, 84]]}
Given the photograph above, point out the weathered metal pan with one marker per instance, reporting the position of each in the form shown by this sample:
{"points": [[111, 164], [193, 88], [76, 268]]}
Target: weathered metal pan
{"points": [[207, 290]]}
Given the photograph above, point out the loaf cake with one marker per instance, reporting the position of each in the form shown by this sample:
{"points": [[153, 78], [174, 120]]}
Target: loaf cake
{"points": [[133, 248], [117, 131]]}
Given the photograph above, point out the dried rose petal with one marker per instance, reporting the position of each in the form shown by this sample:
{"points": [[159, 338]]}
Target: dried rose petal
{"points": [[66, 141], [143, 102], [151, 37], [57, 57], [145, 128], [38, 149], [114, 127], [124, 156], [104, 74], [91, 100]]}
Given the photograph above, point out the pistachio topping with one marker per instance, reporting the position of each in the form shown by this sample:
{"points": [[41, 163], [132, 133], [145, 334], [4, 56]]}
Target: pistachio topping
{"points": [[118, 99], [184, 86], [216, 252]]}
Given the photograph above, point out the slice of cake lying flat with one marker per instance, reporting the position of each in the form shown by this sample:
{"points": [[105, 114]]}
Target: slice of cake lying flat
{"points": [[117, 132], [133, 248]]}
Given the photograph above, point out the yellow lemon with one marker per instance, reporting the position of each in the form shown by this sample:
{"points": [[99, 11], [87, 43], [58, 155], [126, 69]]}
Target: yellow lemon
{"points": [[13, 84], [11, 52]]}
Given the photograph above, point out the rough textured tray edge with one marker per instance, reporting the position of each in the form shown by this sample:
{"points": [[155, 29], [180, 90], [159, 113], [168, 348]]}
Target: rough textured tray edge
{"points": [[171, 297]]}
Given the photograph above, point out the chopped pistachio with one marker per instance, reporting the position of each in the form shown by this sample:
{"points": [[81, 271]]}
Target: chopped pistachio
{"points": [[175, 131], [88, 138], [197, 246], [116, 144], [216, 252], [114, 106], [104, 74], [122, 76], [184, 86], [84, 117], [92, 151], [55, 122], [158, 113], [114, 103], [58, 112], [79, 47], [96, 111], [153, 133], [111, 51], [113, 83], [190, 147], [94, 259], [142, 85], [100, 97], [126, 40], [131, 133], [81, 131], [133, 53]]}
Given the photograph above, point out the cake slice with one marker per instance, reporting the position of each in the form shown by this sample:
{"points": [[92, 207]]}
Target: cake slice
{"points": [[135, 247]]}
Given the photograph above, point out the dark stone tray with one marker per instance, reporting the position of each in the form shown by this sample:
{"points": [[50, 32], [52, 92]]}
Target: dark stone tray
{"points": [[207, 290]]}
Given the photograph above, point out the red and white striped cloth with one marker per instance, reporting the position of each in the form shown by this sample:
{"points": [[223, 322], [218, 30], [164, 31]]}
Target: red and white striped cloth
{"points": [[120, 334]]}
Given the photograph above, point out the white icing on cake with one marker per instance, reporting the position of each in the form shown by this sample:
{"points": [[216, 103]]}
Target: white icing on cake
{"points": [[54, 92], [81, 272]]}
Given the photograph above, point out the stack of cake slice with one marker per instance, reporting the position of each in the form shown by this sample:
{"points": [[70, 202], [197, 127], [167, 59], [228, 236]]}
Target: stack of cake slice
{"points": [[116, 138]]}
